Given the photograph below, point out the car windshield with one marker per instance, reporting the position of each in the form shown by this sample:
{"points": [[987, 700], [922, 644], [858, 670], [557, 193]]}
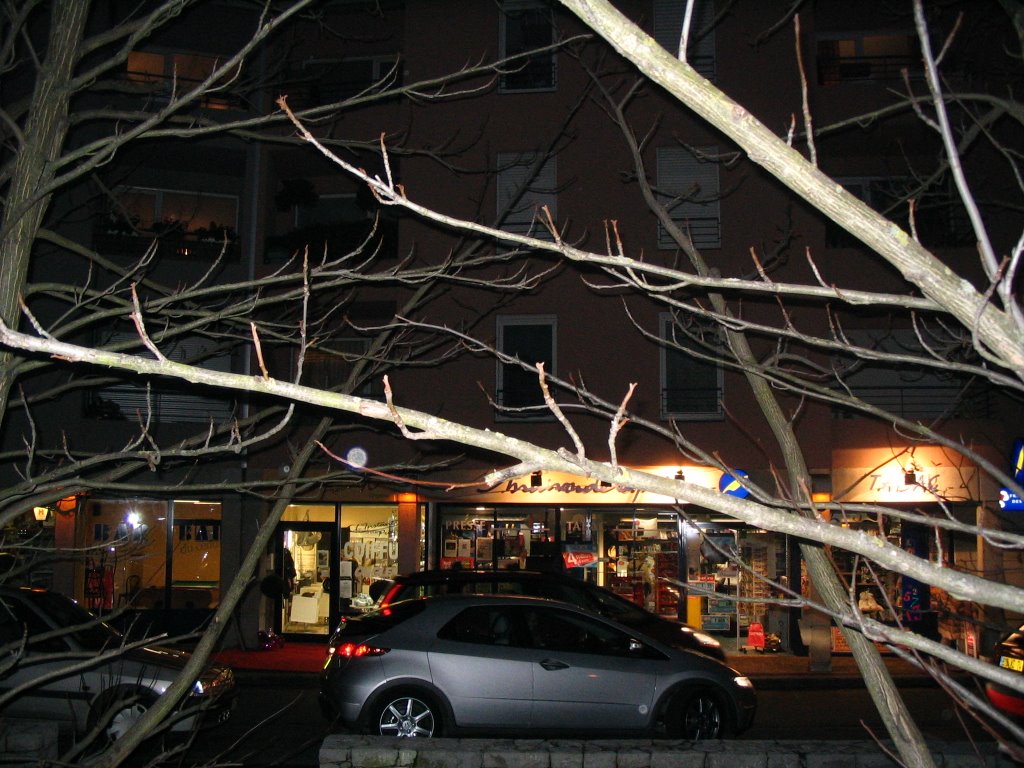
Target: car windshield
{"points": [[90, 632]]}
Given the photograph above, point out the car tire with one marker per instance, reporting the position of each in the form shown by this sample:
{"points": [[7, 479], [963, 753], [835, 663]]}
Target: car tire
{"points": [[117, 710], [697, 714], [406, 714]]}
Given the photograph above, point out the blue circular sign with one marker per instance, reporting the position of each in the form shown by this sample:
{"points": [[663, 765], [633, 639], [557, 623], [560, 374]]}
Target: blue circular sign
{"points": [[731, 484]]}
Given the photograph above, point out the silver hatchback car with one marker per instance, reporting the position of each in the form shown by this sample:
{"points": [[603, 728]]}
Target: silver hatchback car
{"points": [[448, 665]]}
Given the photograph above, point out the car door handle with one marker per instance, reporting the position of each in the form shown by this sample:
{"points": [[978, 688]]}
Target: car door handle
{"points": [[551, 665]]}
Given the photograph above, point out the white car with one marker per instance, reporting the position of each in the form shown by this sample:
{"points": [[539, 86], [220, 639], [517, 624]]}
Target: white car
{"points": [[59, 662]]}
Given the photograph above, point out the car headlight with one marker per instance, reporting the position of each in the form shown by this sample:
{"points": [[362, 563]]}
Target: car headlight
{"points": [[742, 681], [213, 680]]}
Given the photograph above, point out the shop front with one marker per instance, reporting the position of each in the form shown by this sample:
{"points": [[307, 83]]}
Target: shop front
{"points": [[915, 485], [157, 560], [328, 556], [675, 560]]}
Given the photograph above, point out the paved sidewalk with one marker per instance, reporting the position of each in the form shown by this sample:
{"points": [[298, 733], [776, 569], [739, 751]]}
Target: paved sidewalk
{"points": [[784, 670]]}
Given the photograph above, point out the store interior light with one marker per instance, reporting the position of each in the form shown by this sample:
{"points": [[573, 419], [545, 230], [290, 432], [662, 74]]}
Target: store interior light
{"points": [[821, 497]]}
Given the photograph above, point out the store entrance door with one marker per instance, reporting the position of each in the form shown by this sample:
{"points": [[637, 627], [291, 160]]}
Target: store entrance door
{"points": [[306, 552]]}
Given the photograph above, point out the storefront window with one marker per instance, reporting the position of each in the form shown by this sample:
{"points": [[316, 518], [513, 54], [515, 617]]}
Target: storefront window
{"points": [[195, 560], [127, 554], [369, 547], [330, 557], [641, 560]]}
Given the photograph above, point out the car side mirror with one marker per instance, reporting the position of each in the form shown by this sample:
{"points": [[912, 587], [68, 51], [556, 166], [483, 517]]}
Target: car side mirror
{"points": [[635, 647]]}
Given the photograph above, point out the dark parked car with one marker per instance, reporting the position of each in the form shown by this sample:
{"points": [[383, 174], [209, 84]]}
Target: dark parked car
{"points": [[454, 664], [556, 586], [77, 670], [1008, 654]]}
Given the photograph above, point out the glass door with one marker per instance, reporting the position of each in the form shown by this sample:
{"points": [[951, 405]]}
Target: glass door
{"points": [[307, 552]]}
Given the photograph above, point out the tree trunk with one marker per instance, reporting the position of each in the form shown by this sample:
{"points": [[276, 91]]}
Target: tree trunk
{"points": [[41, 141]]}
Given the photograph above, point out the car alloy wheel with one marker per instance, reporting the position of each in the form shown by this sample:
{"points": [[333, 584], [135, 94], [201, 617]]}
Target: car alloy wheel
{"points": [[696, 716], [119, 710], [407, 716]]}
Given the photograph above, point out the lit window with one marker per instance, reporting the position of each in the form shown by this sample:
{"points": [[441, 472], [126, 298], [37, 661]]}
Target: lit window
{"points": [[668, 25], [530, 339], [691, 379], [688, 187], [867, 57], [523, 190], [526, 25], [173, 74], [197, 216]]}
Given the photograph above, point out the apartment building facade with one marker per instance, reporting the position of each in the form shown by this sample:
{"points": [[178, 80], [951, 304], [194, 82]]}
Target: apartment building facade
{"points": [[550, 137]]}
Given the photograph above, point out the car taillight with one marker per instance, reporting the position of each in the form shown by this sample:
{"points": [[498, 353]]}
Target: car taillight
{"points": [[355, 650]]}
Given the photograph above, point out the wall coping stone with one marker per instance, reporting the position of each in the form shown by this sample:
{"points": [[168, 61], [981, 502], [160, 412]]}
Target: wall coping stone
{"points": [[354, 751]]}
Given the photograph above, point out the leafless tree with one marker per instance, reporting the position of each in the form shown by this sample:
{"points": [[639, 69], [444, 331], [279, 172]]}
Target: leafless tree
{"points": [[959, 324]]}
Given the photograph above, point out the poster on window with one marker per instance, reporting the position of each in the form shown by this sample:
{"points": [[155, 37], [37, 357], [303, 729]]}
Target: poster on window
{"points": [[485, 548]]}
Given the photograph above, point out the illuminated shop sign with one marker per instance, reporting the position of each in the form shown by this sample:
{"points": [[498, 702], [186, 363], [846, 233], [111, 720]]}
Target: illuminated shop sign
{"points": [[562, 488], [928, 474], [1008, 500]]}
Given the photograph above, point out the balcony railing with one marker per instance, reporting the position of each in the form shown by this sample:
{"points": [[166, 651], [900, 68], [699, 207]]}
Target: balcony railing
{"points": [[176, 245], [924, 402], [691, 402], [846, 69]]}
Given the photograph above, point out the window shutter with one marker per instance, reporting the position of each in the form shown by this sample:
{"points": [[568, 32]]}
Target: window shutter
{"points": [[668, 26], [681, 174], [521, 198]]}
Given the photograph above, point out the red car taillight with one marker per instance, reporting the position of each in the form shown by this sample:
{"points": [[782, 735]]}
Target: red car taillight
{"points": [[355, 650]]}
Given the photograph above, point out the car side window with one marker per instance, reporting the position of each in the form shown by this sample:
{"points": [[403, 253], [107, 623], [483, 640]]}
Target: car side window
{"points": [[558, 630], [484, 625]]}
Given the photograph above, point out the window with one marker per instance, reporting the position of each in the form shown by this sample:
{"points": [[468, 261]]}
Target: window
{"points": [[531, 339], [338, 222], [668, 25], [523, 191], [485, 625], [172, 403], [143, 535], [172, 74], [940, 219], [902, 388], [321, 81], [329, 368], [688, 187], [526, 25], [189, 224], [845, 58], [366, 74], [691, 386]]}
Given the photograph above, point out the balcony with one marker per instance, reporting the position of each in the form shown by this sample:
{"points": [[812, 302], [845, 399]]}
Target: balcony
{"points": [[192, 246], [924, 402]]}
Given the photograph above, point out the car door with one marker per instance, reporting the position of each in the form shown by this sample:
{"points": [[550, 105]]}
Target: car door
{"points": [[478, 662], [588, 675], [65, 694]]}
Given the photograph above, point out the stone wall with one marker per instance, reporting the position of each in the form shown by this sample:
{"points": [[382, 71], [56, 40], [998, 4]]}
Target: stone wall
{"points": [[345, 751]]}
